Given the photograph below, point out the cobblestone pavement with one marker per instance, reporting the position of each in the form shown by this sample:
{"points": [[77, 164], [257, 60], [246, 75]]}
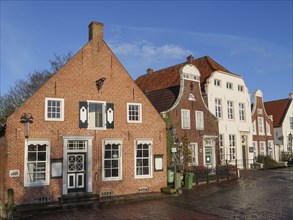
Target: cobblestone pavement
{"points": [[258, 194]]}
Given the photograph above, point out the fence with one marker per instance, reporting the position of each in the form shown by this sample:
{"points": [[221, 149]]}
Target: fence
{"points": [[206, 175]]}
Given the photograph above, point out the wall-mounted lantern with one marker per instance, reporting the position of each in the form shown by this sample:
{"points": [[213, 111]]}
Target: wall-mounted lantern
{"points": [[26, 118]]}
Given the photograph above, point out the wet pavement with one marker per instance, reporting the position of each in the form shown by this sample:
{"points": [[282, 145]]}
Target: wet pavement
{"points": [[258, 194]]}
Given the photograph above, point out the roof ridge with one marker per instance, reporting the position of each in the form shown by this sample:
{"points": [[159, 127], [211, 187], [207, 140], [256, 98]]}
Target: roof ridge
{"points": [[277, 100]]}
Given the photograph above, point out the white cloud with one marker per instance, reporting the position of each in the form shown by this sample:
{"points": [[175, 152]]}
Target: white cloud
{"points": [[148, 52]]}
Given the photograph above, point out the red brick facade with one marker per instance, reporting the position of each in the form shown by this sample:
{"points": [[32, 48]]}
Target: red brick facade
{"points": [[171, 101], [76, 82], [210, 121], [263, 128]]}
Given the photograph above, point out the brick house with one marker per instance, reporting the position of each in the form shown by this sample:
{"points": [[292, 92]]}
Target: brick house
{"points": [[226, 97], [176, 93], [92, 131], [282, 112], [262, 128]]}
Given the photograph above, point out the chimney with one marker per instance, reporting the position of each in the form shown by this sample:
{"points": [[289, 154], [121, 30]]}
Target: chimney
{"points": [[189, 59], [96, 31], [291, 95], [149, 71]]}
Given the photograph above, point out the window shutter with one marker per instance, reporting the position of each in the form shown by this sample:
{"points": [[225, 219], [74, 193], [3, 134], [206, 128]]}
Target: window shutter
{"points": [[83, 122], [110, 115]]}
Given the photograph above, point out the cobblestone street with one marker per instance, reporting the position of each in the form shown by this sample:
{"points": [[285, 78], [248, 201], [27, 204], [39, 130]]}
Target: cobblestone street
{"points": [[258, 194]]}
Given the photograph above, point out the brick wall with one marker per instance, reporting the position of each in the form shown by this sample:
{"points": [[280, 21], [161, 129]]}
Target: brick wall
{"points": [[75, 82], [210, 121]]}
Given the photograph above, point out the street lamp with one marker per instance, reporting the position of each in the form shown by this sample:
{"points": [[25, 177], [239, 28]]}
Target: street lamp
{"points": [[26, 118]]}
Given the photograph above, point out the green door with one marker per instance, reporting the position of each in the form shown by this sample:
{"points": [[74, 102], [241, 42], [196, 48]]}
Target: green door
{"points": [[208, 156]]}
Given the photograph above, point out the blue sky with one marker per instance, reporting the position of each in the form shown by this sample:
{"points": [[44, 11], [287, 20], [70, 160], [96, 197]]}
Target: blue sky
{"points": [[249, 38]]}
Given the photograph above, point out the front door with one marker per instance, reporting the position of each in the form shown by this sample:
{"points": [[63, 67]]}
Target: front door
{"points": [[208, 156], [76, 172]]}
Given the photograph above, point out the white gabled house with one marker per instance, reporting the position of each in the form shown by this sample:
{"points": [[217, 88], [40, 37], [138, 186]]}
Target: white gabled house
{"points": [[228, 98]]}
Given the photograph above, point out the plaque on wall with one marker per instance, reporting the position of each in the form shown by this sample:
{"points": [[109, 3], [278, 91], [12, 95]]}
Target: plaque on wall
{"points": [[56, 168]]}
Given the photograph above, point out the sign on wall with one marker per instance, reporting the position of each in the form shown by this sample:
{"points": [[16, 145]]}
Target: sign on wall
{"points": [[14, 173], [56, 168]]}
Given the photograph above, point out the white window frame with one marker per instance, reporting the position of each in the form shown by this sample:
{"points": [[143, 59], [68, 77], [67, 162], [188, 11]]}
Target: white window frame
{"points": [[255, 149], [149, 142], [230, 110], [139, 113], [103, 127], [240, 88], [218, 108], [262, 148], [217, 82], [193, 147], [185, 118], [268, 129], [61, 118], [229, 85], [221, 145], [119, 143], [241, 111], [47, 162], [254, 127], [260, 122], [199, 120], [232, 146]]}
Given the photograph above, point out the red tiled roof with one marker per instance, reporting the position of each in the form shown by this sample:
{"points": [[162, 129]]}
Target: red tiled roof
{"points": [[163, 99], [277, 109], [169, 77]]}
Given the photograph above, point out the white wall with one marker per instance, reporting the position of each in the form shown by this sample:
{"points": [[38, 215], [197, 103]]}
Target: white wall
{"points": [[234, 126]]}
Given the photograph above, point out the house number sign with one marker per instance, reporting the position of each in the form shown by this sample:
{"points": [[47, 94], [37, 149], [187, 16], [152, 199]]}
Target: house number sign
{"points": [[14, 173]]}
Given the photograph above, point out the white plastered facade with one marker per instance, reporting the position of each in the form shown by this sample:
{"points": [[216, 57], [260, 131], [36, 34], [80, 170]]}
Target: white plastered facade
{"points": [[238, 128]]}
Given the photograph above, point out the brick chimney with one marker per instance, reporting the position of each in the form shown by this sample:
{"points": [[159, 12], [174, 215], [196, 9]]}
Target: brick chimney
{"points": [[96, 31], [189, 59], [149, 71]]}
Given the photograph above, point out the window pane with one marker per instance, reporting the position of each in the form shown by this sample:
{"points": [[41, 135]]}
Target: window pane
{"points": [[32, 156]]}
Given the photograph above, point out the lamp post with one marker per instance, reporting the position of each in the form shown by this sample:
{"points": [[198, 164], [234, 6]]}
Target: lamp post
{"points": [[26, 118]]}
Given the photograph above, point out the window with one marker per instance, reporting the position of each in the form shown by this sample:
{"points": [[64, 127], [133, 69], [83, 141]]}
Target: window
{"points": [[54, 109], [112, 160], [229, 85], [185, 118], [134, 113], [260, 126], [37, 163], [199, 120], [143, 157], [96, 115], [218, 108], [262, 145], [217, 82], [291, 123], [254, 127], [221, 144], [230, 109], [194, 154], [259, 111], [255, 150], [268, 128], [240, 88], [241, 112], [232, 147]]}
